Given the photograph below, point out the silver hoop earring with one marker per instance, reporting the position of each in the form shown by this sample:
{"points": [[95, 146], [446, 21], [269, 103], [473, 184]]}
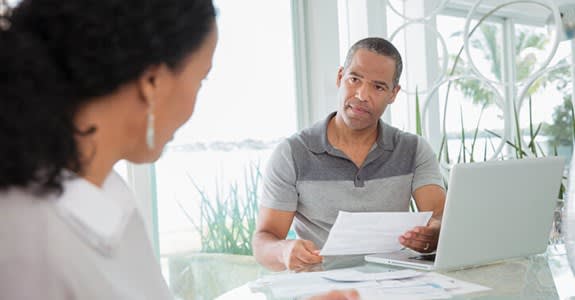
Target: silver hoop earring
{"points": [[150, 130]]}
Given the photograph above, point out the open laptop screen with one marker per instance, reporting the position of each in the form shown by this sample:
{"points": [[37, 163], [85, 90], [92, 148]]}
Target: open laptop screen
{"points": [[495, 210]]}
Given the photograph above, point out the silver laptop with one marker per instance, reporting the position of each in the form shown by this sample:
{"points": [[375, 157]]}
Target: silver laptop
{"points": [[494, 210]]}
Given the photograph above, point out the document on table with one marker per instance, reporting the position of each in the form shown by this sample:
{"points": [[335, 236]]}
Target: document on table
{"points": [[346, 275], [370, 232], [402, 284], [290, 285], [427, 286]]}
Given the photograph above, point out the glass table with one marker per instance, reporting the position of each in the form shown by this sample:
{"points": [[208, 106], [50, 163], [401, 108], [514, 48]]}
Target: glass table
{"points": [[544, 276]]}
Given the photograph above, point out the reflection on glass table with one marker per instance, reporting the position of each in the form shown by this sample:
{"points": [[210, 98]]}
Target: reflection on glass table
{"points": [[545, 276]]}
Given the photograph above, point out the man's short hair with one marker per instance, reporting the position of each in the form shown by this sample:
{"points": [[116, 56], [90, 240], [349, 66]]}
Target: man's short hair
{"points": [[379, 46]]}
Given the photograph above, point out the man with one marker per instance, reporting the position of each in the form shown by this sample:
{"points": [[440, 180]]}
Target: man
{"points": [[351, 161]]}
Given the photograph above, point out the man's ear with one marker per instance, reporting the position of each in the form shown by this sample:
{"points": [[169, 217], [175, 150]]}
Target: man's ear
{"points": [[395, 91], [339, 76]]}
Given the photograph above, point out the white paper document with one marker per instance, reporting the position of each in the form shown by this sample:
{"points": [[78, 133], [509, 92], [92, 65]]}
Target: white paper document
{"points": [[370, 232], [427, 286], [398, 285], [346, 275], [289, 285]]}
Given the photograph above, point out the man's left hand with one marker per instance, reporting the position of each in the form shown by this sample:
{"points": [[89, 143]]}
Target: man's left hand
{"points": [[422, 238]]}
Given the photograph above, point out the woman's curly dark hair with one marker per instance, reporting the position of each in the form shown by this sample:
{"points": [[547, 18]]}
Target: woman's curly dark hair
{"points": [[57, 54]]}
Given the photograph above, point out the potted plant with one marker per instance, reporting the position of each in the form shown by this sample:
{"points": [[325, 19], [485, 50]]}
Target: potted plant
{"points": [[226, 225]]}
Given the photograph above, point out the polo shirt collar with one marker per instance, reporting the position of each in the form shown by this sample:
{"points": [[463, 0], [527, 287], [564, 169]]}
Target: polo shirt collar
{"points": [[99, 215], [317, 142]]}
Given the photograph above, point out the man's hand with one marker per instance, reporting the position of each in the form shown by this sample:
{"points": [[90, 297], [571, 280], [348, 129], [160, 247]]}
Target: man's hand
{"points": [[422, 238], [299, 254], [338, 295]]}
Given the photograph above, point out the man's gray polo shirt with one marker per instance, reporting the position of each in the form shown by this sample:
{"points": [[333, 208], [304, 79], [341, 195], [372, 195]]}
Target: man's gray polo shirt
{"points": [[306, 174]]}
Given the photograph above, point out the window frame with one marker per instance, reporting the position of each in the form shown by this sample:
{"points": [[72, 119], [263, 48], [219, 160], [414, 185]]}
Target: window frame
{"points": [[316, 58]]}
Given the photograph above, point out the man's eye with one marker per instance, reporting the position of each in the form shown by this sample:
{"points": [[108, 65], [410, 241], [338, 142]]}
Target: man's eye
{"points": [[380, 88], [353, 79]]}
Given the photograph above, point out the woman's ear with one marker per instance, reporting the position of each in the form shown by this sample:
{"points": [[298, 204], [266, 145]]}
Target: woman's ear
{"points": [[148, 84]]}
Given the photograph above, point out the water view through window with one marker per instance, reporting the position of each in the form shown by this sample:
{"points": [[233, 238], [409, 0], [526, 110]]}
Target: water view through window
{"points": [[207, 179]]}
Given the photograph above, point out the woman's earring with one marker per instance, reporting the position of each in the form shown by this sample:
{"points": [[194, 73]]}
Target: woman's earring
{"points": [[150, 127]]}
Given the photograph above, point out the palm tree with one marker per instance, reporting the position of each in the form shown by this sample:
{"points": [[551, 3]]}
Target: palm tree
{"points": [[527, 44]]}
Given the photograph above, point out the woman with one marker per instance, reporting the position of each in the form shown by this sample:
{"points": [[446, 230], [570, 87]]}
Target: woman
{"points": [[84, 84]]}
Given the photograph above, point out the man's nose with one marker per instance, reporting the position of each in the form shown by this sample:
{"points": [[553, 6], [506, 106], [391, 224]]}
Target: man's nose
{"points": [[362, 92]]}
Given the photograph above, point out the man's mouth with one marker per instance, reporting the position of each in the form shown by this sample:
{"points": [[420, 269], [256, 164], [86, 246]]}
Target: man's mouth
{"points": [[358, 109]]}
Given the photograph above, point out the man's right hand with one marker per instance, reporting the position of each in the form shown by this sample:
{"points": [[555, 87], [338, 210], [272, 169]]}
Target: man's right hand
{"points": [[299, 254], [273, 251]]}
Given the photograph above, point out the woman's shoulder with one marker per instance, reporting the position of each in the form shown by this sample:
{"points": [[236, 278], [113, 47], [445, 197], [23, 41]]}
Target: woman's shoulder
{"points": [[25, 219], [27, 252], [22, 205]]}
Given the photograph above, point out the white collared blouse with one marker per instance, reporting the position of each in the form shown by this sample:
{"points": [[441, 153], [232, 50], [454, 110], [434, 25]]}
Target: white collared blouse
{"points": [[88, 243]]}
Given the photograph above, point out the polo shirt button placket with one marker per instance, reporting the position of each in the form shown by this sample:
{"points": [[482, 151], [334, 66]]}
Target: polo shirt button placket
{"points": [[358, 181]]}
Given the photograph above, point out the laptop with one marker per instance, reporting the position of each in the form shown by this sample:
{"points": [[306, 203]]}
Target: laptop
{"points": [[494, 211]]}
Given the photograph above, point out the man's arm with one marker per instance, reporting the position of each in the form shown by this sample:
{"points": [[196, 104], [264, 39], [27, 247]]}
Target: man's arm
{"points": [[272, 250], [424, 238], [277, 210]]}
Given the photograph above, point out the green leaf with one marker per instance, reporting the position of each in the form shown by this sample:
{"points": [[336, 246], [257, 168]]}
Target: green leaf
{"points": [[476, 131], [227, 224], [519, 144], [462, 134], [418, 128]]}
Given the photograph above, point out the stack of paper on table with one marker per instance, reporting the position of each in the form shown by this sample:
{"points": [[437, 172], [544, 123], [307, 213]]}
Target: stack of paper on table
{"points": [[403, 284]]}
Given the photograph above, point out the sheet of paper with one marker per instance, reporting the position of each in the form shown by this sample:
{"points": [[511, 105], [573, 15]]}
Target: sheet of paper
{"points": [[290, 285], [426, 285], [455, 286], [370, 232], [408, 293], [347, 275]]}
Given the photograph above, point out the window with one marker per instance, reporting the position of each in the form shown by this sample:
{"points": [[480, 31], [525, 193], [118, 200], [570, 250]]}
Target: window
{"points": [[484, 110], [470, 108], [248, 103], [545, 111], [470, 114], [209, 174]]}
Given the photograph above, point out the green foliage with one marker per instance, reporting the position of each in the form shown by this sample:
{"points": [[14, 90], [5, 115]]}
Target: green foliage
{"points": [[418, 128], [488, 43], [526, 59], [562, 131], [228, 220], [563, 128], [519, 153], [418, 131], [475, 135], [526, 43]]}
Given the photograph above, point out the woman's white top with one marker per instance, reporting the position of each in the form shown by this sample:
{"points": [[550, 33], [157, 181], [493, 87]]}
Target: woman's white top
{"points": [[88, 243]]}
